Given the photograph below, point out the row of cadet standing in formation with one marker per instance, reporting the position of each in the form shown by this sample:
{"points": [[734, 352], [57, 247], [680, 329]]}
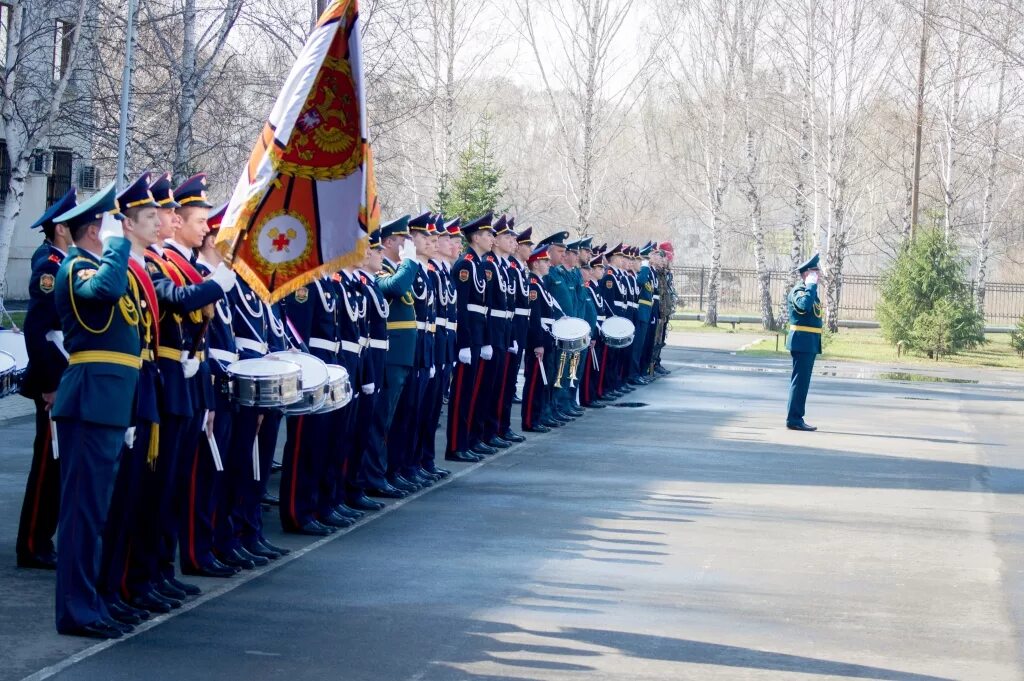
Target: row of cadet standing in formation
{"points": [[149, 467]]}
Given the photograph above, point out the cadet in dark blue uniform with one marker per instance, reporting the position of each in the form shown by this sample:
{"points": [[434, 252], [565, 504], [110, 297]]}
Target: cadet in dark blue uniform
{"points": [[44, 341], [517, 290], [540, 347], [472, 339], [94, 406], [803, 341], [646, 285], [501, 310]]}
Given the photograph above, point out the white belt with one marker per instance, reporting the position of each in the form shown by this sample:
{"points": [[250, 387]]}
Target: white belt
{"points": [[422, 326], [224, 355], [547, 320], [441, 321], [453, 326], [657, 297], [479, 309], [349, 346], [523, 311], [501, 314], [379, 344], [251, 345], [633, 304], [364, 341], [600, 318], [323, 344], [620, 303]]}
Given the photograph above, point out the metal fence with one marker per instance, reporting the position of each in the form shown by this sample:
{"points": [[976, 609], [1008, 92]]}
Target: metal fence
{"points": [[738, 294]]}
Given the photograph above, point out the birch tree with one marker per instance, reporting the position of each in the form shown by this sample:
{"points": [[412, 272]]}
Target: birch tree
{"points": [[37, 72]]}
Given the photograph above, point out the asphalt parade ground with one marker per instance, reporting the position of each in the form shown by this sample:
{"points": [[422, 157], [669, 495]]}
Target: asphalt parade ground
{"points": [[686, 535]]}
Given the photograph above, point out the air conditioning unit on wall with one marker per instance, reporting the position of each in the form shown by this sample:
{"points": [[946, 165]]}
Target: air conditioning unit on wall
{"points": [[41, 162], [89, 178]]}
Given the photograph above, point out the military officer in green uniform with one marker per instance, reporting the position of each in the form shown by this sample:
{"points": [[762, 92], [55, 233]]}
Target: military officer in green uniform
{"points": [[94, 406], [803, 341]]}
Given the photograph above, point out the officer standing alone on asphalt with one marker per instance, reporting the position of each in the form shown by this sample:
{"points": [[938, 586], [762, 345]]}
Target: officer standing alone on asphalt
{"points": [[803, 341]]}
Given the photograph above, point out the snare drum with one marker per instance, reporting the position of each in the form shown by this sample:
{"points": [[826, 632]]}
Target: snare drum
{"points": [[618, 332], [313, 392], [7, 368], [572, 334], [12, 343], [264, 382], [339, 389]]}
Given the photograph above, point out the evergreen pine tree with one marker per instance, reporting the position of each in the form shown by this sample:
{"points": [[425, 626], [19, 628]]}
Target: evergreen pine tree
{"points": [[926, 302], [477, 187]]}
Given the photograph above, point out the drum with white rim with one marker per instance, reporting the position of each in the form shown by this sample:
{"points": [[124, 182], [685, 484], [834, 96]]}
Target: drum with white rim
{"points": [[339, 389], [13, 344], [572, 334], [618, 332], [314, 376], [8, 366], [270, 383]]}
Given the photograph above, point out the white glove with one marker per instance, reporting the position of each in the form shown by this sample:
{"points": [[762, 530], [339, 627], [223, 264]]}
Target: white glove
{"points": [[190, 366], [129, 437], [465, 355], [645, 263], [433, 372], [109, 228], [407, 251], [515, 348], [812, 278], [486, 352], [369, 388], [224, 277]]}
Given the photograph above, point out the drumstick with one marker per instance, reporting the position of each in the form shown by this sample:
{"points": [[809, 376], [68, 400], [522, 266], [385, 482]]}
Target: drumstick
{"points": [[593, 356], [53, 440], [543, 374]]}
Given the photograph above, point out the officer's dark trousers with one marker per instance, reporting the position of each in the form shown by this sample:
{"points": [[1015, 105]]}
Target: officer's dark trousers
{"points": [[535, 393], [238, 474], [606, 356], [89, 459], [307, 452], [203, 490], [513, 362], [465, 386], [395, 378], [174, 519], [403, 434], [637, 349], [123, 515], [485, 425], [41, 506], [647, 358], [799, 383]]}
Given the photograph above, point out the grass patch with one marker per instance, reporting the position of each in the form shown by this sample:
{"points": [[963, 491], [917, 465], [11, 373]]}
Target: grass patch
{"points": [[867, 345], [17, 316], [694, 326]]}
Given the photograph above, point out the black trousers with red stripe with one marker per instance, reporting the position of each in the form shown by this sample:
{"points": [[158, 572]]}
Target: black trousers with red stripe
{"points": [[513, 362], [343, 459], [41, 507], [203, 490], [490, 395], [306, 457], [592, 377], [432, 404], [461, 404], [535, 393]]}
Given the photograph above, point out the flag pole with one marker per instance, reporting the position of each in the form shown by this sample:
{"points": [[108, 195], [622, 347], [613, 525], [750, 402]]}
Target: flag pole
{"points": [[126, 95]]}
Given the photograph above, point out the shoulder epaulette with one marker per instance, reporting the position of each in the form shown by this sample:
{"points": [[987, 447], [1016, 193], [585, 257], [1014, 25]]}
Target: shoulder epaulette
{"points": [[53, 258], [469, 256], [431, 268]]}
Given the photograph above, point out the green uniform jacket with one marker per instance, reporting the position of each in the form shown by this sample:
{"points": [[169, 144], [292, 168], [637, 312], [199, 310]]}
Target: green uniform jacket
{"points": [[559, 283], [99, 316], [395, 282], [804, 319]]}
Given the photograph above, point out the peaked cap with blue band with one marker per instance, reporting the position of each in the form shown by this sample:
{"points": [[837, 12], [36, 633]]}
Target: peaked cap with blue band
{"points": [[481, 223], [525, 237], [59, 207], [192, 192], [135, 195], [163, 191]]}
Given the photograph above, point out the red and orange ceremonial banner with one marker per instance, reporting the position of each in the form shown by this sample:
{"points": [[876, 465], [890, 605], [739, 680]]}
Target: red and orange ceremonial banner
{"points": [[307, 198]]}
